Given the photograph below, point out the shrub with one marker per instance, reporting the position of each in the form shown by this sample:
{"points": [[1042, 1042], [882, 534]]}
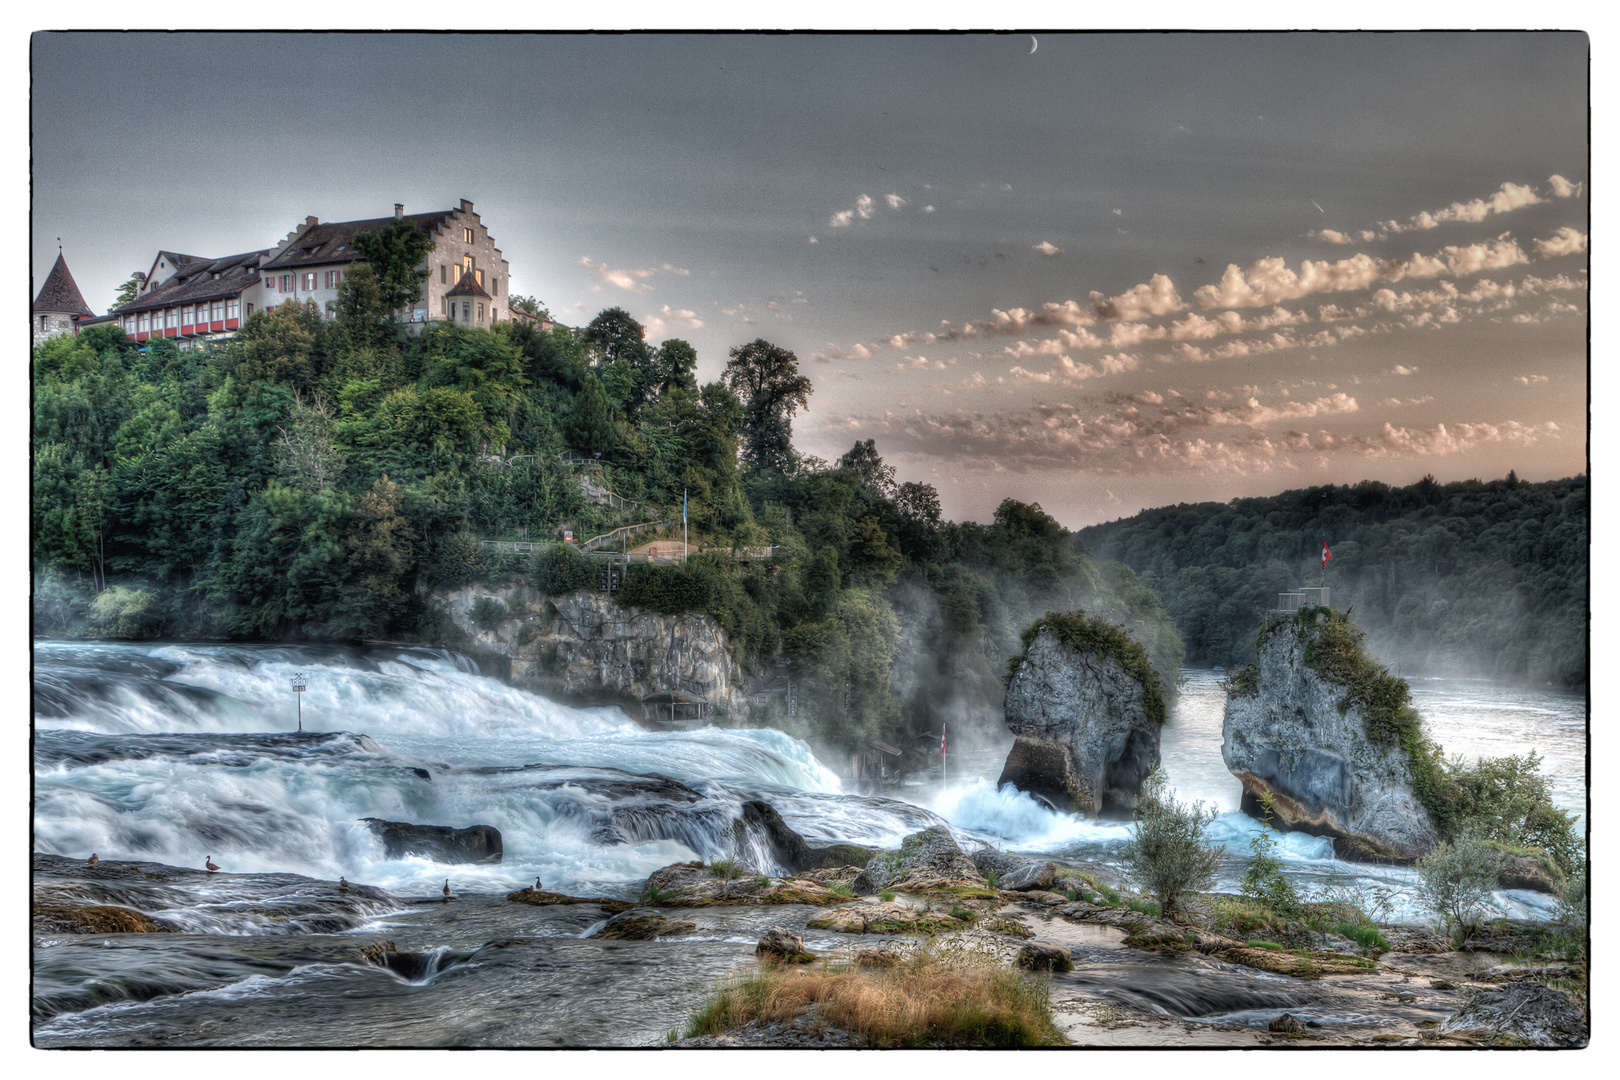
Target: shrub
{"points": [[1145, 907], [991, 878], [887, 896], [1110, 897], [961, 913], [1367, 937], [1263, 880], [488, 613], [1508, 799], [1571, 911], [558, 568], [125, 613], [1168, 856], [1265, 945], [1455, 880]]}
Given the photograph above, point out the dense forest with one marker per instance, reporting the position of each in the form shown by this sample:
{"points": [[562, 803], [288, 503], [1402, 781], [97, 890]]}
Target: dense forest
{"points": [[318, 478], [1469, 578]]}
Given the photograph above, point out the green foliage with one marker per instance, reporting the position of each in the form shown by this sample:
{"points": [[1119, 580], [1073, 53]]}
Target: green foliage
{"points": [[839, 889], [1485, 578], [1571, 911], [1169, 855], [961, 913], [887, 895], [1263, 880], [1509, 800], [1455, 881], [726, 869], [991, 879], [766, 380], [125, 613], [396, 253], [1368, 937], [1257, 944], [559, 569], [1145, 907], [488, 613], [1090, 634]]}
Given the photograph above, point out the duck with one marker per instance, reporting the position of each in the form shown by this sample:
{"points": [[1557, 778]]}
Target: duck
{"points": [[447, 888], [91, 862], [537, 886], [343, 884], [208, 864]]}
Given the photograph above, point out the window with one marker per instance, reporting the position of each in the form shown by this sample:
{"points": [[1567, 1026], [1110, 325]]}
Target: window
{"points": [[309, 281], [466, 311], [232, 309], [466, 236], [170, 315], [478, 276], [141, 325], [331, 308], [466, 263], [331, 279], [42, 324], [444, 273], [250, 309], [187, 315], [480, 311], [286, 283], [216, 312]]}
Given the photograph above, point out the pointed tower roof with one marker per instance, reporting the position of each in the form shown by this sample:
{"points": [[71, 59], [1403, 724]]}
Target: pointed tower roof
{"points": [[468, 286], [60, 292]]}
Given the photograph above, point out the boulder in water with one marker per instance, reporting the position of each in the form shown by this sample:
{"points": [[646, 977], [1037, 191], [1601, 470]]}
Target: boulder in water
{"points": [[1085, 705], [1525, 1012], [475, 844], [407, 965], [697, 885], [928, 861], [1045, 956], [63, 917], [1293, 729], [780, 946], [642, 926], [788, 848], [541, 898], [884, 917]]}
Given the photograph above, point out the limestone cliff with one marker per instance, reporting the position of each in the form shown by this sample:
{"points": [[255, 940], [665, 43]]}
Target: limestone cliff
{"points": [[1086, 713], [583, 644], [1294, 727]]}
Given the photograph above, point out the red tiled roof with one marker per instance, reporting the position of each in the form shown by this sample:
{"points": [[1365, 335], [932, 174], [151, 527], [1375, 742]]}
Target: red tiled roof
{"points": [[60, 292], [333, 242]]}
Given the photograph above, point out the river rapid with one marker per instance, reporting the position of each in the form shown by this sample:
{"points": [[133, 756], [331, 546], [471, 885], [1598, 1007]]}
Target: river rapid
{"points": [[163, 755]]}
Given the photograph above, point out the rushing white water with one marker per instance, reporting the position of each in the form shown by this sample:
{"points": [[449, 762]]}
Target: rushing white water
{"points": [[159, 754]]}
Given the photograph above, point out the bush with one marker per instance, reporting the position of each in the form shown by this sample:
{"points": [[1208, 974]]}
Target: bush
{"points": [[1455, 880], [991, 878], [1145, 907], [1571, 911], [1168, 856], [487, 613], [1263, 880], [558, 568], [727, 869], [125, 613], [887, 896]]}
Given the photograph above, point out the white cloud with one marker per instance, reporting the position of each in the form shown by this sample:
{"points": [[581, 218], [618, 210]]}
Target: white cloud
{"points": [[1328, 236], [863, 209], [1490, 255], [1507, 198], [1530, 380], [1049, 249], [629, 280], [895, 202], [668, 318], [1401, 369], [1562, 188], [1566, 241], [1156, 296]]}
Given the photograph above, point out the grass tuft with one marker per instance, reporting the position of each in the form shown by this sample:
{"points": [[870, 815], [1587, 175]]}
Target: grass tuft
{"points": [[726, 869]]}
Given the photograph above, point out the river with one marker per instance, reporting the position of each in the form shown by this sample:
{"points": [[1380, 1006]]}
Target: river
{"points": [[173, 753]]}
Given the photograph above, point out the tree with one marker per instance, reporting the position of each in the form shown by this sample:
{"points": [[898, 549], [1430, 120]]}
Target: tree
{"points": [[1168, 856], [397, 255], [590, 424], [363, 316], [618, 349], [129, 290], [869, 470], [529, 306], [1456, 880], [767, 380], [674, 367]]}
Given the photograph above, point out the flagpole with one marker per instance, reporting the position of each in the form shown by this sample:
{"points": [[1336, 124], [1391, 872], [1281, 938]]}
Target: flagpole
{"points": [[943, 781], [683, 526]]}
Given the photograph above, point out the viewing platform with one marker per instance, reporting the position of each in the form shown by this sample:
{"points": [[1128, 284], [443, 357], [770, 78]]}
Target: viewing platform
{"points": [[1290, 602]]}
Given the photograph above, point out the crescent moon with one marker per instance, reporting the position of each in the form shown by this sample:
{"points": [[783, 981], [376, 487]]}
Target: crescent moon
{"points": [[1033, 44]]}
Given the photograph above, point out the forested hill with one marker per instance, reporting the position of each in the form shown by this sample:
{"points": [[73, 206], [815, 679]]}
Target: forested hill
{"points": [[331, 478], [1469, 578]]}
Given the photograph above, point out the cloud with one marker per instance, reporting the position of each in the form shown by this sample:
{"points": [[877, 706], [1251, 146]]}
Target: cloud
{"points": [[895, 202], [1562, 188], [1507, 198], [1157, 296], [1530, 380], [1533, 284], [1049, 249], [1441, 440], [1401, 369], [1328, 236], [668, 319], [1490, 255], [1566, 241], [863, 209], [629, 280], [858, 351], [1269, 281]]}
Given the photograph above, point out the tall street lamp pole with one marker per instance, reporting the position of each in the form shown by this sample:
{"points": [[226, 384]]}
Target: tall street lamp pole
{"points": [[298, 684]]}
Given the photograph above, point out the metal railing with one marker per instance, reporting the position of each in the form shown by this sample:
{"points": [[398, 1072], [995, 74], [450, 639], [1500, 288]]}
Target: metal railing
{"points": [[623, 532]]}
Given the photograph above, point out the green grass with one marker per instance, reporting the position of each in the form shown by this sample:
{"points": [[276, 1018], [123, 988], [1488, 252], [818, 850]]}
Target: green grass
{"points": [[887, 896], [1110, 896], [838, 888], [726, 869], [1146, 907], [1267, 945], [1367, 937], [991, 878], [961, 913]]}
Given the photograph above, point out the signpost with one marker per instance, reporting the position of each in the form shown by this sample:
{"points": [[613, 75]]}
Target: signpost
{"points": [[298, 684]]}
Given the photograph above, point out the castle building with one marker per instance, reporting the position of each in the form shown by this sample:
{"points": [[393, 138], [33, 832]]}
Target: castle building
{"points": [[188, 297], [59, 305]]}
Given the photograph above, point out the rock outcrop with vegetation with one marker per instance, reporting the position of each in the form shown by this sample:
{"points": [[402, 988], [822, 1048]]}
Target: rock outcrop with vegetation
{"points": [[1085, 704], [1331, 735], [928, 861]]}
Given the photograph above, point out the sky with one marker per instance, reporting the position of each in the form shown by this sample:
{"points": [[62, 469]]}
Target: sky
{"points": [[1101, 272]]}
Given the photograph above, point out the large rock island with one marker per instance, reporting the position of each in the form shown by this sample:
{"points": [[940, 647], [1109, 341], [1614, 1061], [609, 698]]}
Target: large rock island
{"points": [[1330, 734], [1085, 704]]}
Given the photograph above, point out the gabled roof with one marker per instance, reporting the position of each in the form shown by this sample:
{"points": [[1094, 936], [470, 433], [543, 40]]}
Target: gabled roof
{"points": [[60, 292], [201, 279], [333, 242], [468, 286]]}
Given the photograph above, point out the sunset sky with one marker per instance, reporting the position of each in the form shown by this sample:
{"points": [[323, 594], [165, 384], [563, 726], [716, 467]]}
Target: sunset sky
{"points": [[1113, 272]]}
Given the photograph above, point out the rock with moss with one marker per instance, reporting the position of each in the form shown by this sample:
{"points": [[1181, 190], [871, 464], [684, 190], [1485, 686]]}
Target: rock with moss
{"points": [[542, 898], [760, 820], [67, 917], [1331, 736], [1085, 705], [782, 947], [696, 885], [1524, 1013], [884, 917], [928, 861], [642, 926]]}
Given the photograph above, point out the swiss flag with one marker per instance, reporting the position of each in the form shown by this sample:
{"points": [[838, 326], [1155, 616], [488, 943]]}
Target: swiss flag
{"points": [[942, 740], [1326, 554]]}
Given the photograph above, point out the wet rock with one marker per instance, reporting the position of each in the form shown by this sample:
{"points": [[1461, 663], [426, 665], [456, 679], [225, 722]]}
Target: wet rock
{"points": [[1287, 1024], [407, 965], [695, 885], [884, 917], [1298, 737], [643, 926], [879, 959], [835, 875], [1522, 872], [1527, 1013], [782, 947], [1085, 740], [69, 918], [541, 898], [1032, 876], [789, 849], [475, 844], [928, 861], [1045, 956], [989, 860]]}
